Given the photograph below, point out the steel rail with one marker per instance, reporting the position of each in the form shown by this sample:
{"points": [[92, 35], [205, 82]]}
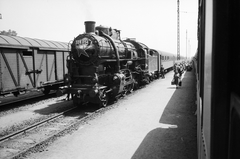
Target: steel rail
{"points": [[34, 126]]}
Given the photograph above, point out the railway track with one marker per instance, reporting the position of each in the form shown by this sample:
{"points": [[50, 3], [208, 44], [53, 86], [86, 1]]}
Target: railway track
{"points": [[34, 138], [16, 144], [12, 135]]}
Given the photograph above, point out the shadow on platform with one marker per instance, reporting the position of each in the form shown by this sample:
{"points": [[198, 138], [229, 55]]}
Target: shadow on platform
{"points": [[176, 136]]}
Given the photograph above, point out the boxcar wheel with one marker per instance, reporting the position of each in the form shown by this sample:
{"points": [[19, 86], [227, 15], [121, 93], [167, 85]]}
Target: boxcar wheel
{"points": [[16, 94], [46, 91]]}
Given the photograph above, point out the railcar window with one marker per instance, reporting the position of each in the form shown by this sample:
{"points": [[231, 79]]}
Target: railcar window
{"points": [[27, 53], [151, 53]]}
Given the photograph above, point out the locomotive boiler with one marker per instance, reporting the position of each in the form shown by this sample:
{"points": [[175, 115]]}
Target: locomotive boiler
{"points": [[101, 65]]}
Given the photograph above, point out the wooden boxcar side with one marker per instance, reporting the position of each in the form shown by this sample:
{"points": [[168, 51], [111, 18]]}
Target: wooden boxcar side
{"points": [[27, 64]]}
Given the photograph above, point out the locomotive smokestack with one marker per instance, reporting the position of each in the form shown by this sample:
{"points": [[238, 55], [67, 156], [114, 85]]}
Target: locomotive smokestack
{"points": [[89, 26]]}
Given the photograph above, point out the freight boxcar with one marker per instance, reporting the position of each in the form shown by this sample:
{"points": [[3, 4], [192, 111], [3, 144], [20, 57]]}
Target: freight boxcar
{"points": [[28, 64]]}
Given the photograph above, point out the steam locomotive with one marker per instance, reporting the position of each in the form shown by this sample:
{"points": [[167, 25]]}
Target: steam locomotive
{"points": [[103, 67]]}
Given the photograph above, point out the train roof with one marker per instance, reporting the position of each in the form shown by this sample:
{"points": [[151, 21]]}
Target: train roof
{"points": [[18, 42], [136, 43]]}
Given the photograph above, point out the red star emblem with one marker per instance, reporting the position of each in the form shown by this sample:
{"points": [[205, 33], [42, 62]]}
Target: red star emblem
{"points": [[82, 52]]}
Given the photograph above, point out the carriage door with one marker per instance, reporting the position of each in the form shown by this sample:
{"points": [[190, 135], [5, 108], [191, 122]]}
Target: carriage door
{"points": [[51, 69], [45, 66], [61, 67]]}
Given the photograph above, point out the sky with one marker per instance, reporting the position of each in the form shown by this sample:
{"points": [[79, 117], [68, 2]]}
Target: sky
{"points": [[152, 22]]}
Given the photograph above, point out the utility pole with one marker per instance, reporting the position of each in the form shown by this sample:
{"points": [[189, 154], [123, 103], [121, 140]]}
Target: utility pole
{"points": [[186, 45], [189, 47], [178, 32]]}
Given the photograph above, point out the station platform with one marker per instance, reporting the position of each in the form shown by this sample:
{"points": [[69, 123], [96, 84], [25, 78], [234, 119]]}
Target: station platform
{"points": [[155, 122]]}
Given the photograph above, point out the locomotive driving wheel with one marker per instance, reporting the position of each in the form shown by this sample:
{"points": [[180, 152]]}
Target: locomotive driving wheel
{"points": [[103, 96], [130, 87]]}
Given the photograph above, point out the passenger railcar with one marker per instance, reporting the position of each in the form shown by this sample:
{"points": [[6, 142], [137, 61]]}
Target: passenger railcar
{"points": [[217, 65], [158, 58], [27, 64], [103, 67]]}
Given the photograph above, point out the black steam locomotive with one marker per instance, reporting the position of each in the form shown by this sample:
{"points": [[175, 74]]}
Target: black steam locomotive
{"points": [[103, 67]]}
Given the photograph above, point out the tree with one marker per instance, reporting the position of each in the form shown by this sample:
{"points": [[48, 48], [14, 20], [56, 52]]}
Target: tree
{"points": [[9, 32]]}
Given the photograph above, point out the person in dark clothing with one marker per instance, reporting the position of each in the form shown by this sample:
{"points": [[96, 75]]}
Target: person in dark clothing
{"points": [[177, 76], [162, 71]]}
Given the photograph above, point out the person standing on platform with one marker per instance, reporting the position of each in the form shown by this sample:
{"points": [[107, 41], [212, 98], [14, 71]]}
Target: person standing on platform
{"points": [[162, 71]]}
